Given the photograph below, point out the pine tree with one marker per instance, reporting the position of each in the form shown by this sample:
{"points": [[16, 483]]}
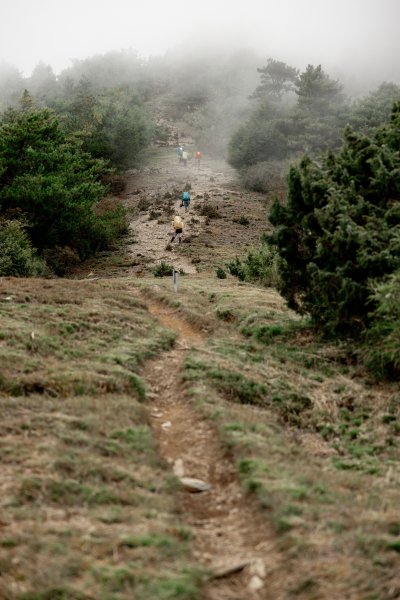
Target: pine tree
{"points": [[339, 231], [49, 179]]}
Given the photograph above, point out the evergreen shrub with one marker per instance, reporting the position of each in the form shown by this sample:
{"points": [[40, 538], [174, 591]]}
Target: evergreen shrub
{"points": [[17, 257], [338, 234], [47, 178]]}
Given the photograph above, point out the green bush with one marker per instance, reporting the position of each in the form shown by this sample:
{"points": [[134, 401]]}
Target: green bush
{"points": [[265, 177], [373, 110], [382, 348], [236, 268], [339, 230], [220, 273], [60, 259], [242, 220], [260, 265], [112, 220], [110, 119], [45, 175], [121, 135], [163, 270], [17, 257], [210, 211], [262, 137]]}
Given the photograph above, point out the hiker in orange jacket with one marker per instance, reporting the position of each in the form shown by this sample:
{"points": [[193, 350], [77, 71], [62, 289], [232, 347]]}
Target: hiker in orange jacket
{"points": [[197, 157]]}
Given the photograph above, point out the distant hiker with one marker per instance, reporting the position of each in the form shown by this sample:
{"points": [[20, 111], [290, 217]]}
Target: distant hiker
{"points": [[179, 152], [185, 199], [184, 158], [177, 224], [198, 156]]}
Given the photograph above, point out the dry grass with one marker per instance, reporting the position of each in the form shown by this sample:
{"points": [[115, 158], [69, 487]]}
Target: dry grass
{"points": [[208, 303], [88, 511], [314, 439], [87, 507], [73, 337]]}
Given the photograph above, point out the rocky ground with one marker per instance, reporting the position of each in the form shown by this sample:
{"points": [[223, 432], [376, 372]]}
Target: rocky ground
{"points": [[223, 220]]}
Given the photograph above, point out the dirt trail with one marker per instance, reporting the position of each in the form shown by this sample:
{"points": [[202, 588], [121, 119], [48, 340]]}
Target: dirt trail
{"points": [[231, 538], [228, 531], [152, 235], [153, 194]]}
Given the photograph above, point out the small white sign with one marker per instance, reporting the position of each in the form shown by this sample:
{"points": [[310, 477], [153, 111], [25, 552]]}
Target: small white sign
{"points": [[176, 280]]}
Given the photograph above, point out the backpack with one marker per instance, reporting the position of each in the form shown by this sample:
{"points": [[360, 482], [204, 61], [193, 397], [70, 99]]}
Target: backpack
{"points": [[185, 197], [178, 222]]}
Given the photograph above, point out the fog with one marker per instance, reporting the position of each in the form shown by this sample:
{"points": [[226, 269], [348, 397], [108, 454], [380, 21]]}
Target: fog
{"points": [[354, 40]]}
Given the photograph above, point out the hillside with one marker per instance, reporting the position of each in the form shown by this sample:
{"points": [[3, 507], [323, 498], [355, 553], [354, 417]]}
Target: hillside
{"points": [[224, 220], [114, 388]]}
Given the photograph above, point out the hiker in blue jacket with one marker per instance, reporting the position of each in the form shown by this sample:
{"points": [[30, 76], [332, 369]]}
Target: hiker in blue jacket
{"points": [[185, 199]]}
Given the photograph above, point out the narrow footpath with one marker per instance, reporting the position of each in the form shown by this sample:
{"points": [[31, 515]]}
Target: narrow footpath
{"points": [[229, 537]]}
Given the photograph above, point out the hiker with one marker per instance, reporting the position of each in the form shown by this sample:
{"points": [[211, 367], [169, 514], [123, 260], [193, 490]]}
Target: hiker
{"points": [[198, 156], [177, 224], [185, 200], [184, 158], [179, 152]]}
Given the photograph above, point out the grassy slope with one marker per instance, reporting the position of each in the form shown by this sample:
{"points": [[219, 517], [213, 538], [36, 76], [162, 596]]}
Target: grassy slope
{"points": [[313, 438], [84, 491], [88, 509]]}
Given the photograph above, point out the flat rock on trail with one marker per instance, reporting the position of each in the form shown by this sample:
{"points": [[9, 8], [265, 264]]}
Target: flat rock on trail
{"points": [[222, 221]]}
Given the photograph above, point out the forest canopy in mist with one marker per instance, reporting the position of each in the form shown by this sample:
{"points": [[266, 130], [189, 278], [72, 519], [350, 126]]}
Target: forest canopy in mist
{"points": [[356, 40]]}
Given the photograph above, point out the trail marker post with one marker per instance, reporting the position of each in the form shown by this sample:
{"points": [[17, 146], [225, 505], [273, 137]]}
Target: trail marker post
{"points": [[175, 279]]}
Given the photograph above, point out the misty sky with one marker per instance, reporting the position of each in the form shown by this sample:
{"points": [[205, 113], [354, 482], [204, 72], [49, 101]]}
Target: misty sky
{"points": [[355, 37]]}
